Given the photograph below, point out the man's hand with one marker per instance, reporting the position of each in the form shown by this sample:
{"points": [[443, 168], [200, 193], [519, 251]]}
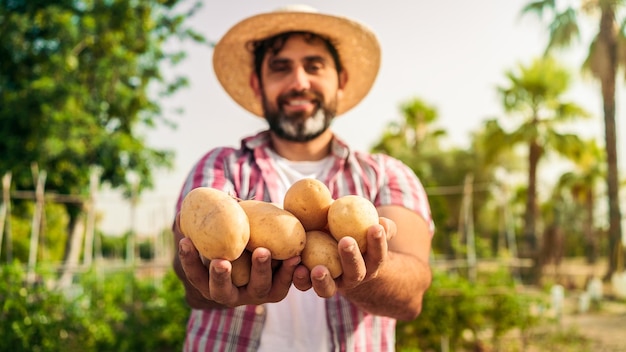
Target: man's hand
{"points": [[357, 268], [214, 284]]}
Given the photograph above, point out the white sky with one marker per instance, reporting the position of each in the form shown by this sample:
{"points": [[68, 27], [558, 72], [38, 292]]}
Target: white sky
{"points": [[450, 53]]}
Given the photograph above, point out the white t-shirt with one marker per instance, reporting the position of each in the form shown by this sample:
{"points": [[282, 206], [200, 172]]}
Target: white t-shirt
{"points": [[297, 323]]}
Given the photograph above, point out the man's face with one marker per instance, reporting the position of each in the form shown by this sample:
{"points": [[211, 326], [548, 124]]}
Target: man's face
{"points": [[299, 89]]}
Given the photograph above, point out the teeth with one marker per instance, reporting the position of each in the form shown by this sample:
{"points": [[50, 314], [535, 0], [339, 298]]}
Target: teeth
{"points": [[298, 102]]}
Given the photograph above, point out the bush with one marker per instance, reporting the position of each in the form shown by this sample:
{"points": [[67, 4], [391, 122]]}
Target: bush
{"points": [[120, 312], [455, 308], [113, 312], [34, 318], [137, 315]]}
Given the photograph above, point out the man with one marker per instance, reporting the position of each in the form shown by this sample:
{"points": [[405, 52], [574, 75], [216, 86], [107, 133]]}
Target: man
{"points": [[299, 69]]}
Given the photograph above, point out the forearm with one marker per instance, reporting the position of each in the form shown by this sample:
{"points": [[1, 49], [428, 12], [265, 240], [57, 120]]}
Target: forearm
{"points": [[398, 289]]}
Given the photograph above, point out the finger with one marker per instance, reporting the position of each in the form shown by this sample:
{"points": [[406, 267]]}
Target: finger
{"points": [[389, 226], [221, 286], [302, 278], [197, 273], [260, 274], [354, 269], [376, 250], [322, 281], [283, 278]]}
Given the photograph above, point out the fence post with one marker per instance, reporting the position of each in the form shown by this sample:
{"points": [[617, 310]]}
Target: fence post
{"points": [[88, 250], [40, 182], [131, 245], [5, 216], [467, 223]]}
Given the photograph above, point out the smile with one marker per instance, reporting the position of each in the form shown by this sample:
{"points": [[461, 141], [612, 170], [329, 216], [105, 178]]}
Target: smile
{"points": [[298, 102]]}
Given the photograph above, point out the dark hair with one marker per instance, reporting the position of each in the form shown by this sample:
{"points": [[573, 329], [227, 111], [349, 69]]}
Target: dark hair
{"points": [[275, 44]]}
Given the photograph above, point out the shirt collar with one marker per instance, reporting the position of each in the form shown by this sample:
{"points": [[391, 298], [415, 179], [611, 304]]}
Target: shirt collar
{"points": [[339, 148]]}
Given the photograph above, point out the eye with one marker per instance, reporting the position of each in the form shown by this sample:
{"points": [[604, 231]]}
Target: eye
{"points": [[279, 66], [314, 66]]}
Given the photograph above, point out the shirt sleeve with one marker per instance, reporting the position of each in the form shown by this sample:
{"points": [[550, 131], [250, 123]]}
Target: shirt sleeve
{"points": [[211, 170], [400, 186]]}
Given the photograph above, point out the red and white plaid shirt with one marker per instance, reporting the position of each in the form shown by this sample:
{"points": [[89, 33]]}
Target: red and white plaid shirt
{"points": [[248, 172]]}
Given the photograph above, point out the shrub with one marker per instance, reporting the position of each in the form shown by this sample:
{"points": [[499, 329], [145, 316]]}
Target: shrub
{"points": [[103, 312], [34, 318], [455, 308]]}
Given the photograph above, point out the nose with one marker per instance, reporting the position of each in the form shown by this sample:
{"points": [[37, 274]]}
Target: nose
{"points": [[300, 79]]}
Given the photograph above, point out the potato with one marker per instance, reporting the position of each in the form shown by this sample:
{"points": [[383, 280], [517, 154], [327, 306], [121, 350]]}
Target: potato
{"points": [[352, 215], [309, 199], [215, 223], [321, 249], [241, 269], [273, 228]]}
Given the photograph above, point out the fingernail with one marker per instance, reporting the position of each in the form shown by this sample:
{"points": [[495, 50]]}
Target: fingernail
{"points": [[293, 261], [320, 277], [219, 269], [183, 248]]}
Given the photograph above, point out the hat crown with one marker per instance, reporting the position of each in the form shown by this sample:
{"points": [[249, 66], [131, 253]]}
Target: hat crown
{"points": [[297, 8]]}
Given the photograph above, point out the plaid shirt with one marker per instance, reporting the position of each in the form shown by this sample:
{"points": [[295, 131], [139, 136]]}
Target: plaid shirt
{"points": [[248, 172]]}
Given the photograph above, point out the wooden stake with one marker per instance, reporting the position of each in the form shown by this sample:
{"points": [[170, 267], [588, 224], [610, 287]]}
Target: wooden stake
{"points": [[5, 212], [40, 182], [94, 179]]}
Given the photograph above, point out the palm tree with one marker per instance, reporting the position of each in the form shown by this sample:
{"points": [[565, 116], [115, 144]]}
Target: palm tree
{"points": [[416, 139], [413, 137], [581, 185], [607, 52], [499, 166], [534, 94]]}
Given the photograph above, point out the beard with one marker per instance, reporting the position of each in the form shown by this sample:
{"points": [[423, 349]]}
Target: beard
{"points": [[299, 126]]}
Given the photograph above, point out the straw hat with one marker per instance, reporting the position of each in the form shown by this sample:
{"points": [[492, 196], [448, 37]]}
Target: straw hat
{"points": [[358, 48]]}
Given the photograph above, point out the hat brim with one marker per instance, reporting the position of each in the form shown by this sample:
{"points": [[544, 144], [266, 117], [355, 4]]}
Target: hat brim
{"points": [[358, 48]]}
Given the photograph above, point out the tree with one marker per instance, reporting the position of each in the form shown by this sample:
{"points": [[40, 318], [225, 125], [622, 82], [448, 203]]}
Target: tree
{"points": [[534, 94], [80, 81], [414, 137], [499, 164], [581, 184], [417, 140], [607, 53]]}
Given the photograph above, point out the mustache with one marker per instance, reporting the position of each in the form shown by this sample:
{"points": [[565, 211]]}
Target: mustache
{"points": [[304, 94]]}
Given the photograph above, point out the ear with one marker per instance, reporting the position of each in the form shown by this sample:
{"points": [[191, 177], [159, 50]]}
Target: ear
{"points": [[255, 84], [343, 79]]}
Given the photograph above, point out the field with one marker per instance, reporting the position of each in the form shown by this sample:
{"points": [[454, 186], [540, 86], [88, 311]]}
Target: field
{"points": [[582, 326]]}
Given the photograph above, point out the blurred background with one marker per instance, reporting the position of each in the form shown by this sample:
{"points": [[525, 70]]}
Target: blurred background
{"points": [[508, 111]]}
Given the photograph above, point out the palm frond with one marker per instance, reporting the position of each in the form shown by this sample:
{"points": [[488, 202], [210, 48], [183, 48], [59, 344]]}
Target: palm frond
{"points": [[538, 7], [564, 29]]}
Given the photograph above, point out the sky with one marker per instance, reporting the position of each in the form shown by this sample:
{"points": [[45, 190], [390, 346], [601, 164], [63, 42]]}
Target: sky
{"points": [[452, 54]]}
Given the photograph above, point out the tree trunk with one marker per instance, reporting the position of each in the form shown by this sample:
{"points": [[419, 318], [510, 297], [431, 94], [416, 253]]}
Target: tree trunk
{"points": [[71, 262], [73, 213], [591, 238], [608, 40], [530, 249]]}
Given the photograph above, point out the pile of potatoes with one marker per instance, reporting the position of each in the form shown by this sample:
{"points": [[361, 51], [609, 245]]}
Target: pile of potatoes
{"points": [[309, 224]]}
